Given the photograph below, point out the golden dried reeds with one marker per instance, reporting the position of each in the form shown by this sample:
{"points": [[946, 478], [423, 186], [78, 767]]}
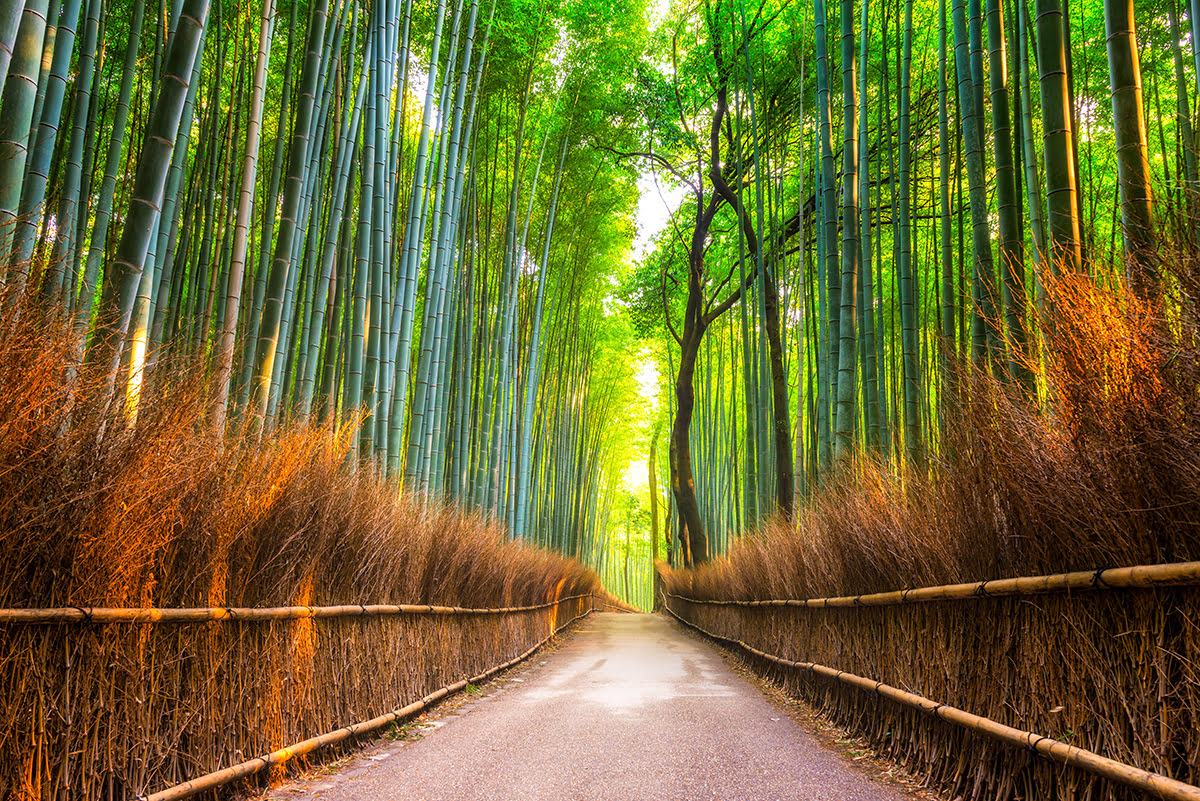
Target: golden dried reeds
{"points": [[1103, 472], [100, 510]]}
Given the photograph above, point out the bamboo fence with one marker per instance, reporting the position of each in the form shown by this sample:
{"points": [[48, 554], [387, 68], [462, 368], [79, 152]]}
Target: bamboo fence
{"points": [[250, 767], [110, 704], [1105, 664]]}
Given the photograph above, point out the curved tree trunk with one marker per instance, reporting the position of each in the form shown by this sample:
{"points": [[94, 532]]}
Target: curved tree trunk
{"points": [[693, 541]]}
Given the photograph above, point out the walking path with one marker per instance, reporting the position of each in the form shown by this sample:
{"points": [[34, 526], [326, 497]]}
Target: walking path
{"points": [[630, 708]]}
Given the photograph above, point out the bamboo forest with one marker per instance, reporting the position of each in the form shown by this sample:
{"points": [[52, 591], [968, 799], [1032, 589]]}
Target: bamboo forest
{"points": [[405, 307], [596, 269]]}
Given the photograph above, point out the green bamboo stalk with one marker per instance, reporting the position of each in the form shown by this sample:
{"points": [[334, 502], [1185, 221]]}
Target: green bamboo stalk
{"points": [[37, 172], [1133, 164], [847, 385], [245, 212], [281, 262], [17, 102], [907, 267], [66, 244], [1061, 184], [10, 20], [122, 278], [1012, 255], [1033, 184]]}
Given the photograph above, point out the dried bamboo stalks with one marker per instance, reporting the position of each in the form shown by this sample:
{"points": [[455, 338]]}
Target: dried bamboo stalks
{"points": [[1141, 576], [85, 614], [1135, 778], [278, 757]]}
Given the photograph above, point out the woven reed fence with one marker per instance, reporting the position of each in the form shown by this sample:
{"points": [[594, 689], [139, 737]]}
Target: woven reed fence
{"points": [[120, 704], [1104, 661]]}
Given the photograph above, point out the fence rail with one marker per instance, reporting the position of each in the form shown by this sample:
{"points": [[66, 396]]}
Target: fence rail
{"points": [[206, 614], [1138, 577]]}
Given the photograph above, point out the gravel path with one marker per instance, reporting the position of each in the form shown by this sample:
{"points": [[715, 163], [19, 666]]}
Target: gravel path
{"points": [[630, 707]]}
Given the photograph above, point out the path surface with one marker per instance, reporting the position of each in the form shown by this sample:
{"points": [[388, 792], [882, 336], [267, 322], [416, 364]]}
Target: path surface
{"points": [[630, 708]]}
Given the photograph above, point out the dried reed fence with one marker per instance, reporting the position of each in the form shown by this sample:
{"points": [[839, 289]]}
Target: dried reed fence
{"points": [[199, 533], [122, 710], [904, 577], [1036, 669]]}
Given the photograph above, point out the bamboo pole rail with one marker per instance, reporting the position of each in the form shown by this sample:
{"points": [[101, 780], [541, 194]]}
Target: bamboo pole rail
{"points": [[248, 768], [96, 614], [1142, 780], [1175, 574]]}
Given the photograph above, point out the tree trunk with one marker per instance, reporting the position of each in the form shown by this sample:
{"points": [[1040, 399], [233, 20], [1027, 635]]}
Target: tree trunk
{"points": [[785, 481], [693, 542], [652, 475]]}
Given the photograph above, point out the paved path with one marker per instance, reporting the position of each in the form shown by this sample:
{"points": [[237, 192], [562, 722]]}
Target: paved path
{"points": [[629, 709]]}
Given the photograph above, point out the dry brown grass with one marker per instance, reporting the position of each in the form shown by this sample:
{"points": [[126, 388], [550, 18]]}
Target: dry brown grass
{"points": [[1104, 472], [95, 511]]}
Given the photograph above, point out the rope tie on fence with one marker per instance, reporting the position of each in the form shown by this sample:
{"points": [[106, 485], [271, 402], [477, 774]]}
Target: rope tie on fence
{"points": [[981, 590], [1098, 579], [85, 611], [1033, 744]]}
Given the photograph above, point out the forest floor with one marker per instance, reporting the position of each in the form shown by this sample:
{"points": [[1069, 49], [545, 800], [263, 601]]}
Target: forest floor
{"points": [[628, 706]]}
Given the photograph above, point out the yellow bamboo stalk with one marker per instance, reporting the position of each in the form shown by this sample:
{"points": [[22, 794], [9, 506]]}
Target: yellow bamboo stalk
{"points": [[96, 614], [1142, 576], [226, 775], [1142, 780]]}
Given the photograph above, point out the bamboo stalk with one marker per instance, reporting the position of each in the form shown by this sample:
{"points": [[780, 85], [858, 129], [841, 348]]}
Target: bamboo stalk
{"points": [[226, 775], [1142, 780], [1141, 576], [96, 614]]}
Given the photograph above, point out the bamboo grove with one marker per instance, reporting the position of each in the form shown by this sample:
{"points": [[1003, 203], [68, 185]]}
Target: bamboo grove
{"points": [[416, 216], [378, 213], [871, 194]]}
